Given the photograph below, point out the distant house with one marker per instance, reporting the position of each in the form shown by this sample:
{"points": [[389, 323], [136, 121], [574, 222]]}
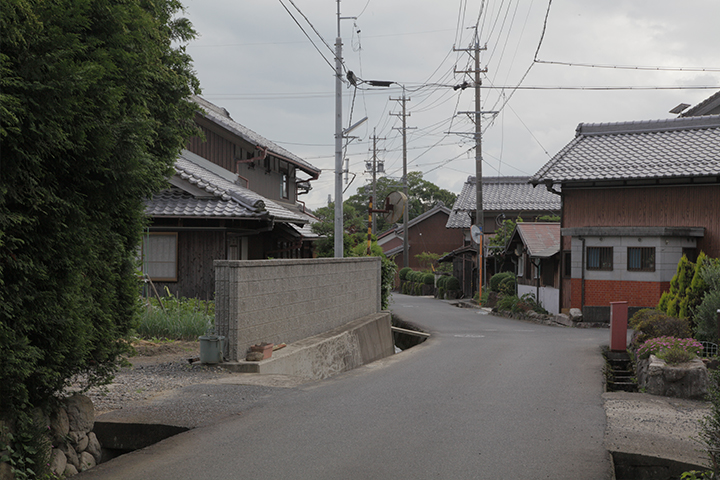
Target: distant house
{"points": [[636, 196], [233, 196], [504, 198], [426, 233], [534, 249]]}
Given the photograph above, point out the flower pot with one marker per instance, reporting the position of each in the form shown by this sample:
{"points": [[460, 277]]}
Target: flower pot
{"points": [[265, 348]]}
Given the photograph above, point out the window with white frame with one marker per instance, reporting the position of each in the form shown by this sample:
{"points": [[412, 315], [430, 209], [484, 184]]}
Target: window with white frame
{"points": [[160, 256]]}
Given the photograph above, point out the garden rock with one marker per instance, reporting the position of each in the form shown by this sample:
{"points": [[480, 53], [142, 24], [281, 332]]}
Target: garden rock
{"points": [[81, 413], [576, 315], [70, 470], [687, 380], [58, 461], [70, 454], [93, 447], [86, 461], [79, 441], [59, 423]]}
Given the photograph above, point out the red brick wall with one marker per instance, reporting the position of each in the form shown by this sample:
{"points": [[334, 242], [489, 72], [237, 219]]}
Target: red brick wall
{"points": [[602, 292]]}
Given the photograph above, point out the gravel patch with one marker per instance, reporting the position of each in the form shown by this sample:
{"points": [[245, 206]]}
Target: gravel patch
{"points": [[157, 369]]}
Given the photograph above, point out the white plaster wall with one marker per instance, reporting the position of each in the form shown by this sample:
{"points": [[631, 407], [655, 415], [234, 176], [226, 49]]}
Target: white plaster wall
{"points": [[668, 251], [549, 297]]}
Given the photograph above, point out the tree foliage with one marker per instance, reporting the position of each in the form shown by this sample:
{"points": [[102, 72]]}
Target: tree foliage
{"points": [[423, 195], [94, 111]]}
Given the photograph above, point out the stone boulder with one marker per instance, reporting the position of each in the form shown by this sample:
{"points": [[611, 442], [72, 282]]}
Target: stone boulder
{"points": [[58, 461], [687, 380], [81, 413], [86, 461], [59, 423], [576, 315], [93, 447]]}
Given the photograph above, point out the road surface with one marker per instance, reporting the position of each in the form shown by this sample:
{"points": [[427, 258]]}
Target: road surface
{"points": [[484, 398]]}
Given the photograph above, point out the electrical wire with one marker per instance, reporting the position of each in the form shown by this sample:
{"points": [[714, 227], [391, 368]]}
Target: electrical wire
{"points": [[306, 34]]}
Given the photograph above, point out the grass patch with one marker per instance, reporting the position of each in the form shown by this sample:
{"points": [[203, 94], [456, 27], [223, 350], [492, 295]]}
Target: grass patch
{"points": [[176, 318]]}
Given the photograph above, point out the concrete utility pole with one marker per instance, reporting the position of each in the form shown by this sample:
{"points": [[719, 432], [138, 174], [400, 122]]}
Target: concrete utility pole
{"points": [[479, 213], [406, 247], [338, 142]]}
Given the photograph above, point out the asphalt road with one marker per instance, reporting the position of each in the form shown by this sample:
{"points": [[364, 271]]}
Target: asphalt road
{"points": [[484, 398]]}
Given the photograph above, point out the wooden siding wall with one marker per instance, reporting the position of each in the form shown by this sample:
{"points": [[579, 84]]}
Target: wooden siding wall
{"points": [[430, 235], [196, 275], [223, 152], [689, 206], [214, 148]]}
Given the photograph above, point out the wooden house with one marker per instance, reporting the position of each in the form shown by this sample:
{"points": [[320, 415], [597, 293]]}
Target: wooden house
{"points": [[504, 198], [636, 196], [233, 196], [426, 233], [534, 250]]}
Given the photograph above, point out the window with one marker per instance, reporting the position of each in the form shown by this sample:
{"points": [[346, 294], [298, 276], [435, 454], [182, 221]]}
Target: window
{"points": [[599, 258], [160, 256], [284, 185], [567, 264], [521, 266], [641, 259]]}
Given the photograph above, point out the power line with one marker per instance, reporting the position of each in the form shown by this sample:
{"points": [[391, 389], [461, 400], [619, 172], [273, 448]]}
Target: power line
{"points": [[632, 67], [306, 34]]}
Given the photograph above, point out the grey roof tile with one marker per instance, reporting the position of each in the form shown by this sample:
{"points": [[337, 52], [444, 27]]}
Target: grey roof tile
{"points": [[224, 197], [661, 149], [501, 194]]}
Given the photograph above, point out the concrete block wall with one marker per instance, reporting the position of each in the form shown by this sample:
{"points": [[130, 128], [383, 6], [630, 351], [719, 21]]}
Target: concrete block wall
{"points": [[280, 301]]}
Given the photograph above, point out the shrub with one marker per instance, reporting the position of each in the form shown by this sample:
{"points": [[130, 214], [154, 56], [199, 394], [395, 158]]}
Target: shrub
{"points": [[418, 289], [507, 285], [387, 272], [675, 303], [496, 279], [706, 324], [429, 279], [403, 273], [441, 293], [675, 355], [656, 346], [649, 323], [508, 303], [442, 281], [453, 284]]}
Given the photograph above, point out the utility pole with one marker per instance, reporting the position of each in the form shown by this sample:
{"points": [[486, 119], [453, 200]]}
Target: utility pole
{"points": [[374, 168], [479, 213], [406, 247], [338, 142]]}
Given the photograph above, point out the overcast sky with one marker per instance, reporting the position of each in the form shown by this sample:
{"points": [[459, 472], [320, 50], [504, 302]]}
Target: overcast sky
{"points": [[253, 59]]}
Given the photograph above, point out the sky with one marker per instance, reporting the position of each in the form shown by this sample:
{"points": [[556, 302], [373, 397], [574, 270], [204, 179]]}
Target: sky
{"points": [[550, 66]]}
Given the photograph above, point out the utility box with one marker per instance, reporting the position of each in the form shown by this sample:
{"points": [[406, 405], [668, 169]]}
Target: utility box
{"points": [[618, 326], [211, 349]]}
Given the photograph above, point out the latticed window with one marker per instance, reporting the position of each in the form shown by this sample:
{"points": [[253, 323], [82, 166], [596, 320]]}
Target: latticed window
{"points": [[599, 258], [641, 259], [159, 253]]}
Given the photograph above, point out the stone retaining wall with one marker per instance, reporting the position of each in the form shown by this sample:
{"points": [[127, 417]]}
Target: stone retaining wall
{"points": [[282, 301]]}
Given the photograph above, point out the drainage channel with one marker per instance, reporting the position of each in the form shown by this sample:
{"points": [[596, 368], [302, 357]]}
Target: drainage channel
{"points": [[407, 335], [119, 438]]}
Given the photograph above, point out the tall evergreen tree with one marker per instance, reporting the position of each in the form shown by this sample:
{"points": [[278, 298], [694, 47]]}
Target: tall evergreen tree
{"points": [[94, 98]]}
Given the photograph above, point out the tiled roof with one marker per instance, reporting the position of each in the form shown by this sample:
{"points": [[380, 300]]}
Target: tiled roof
{"points": [[221, 117], [501, 194], [663, 149], [541, 239], [210, 191], [709, 106], [420, 218]]}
